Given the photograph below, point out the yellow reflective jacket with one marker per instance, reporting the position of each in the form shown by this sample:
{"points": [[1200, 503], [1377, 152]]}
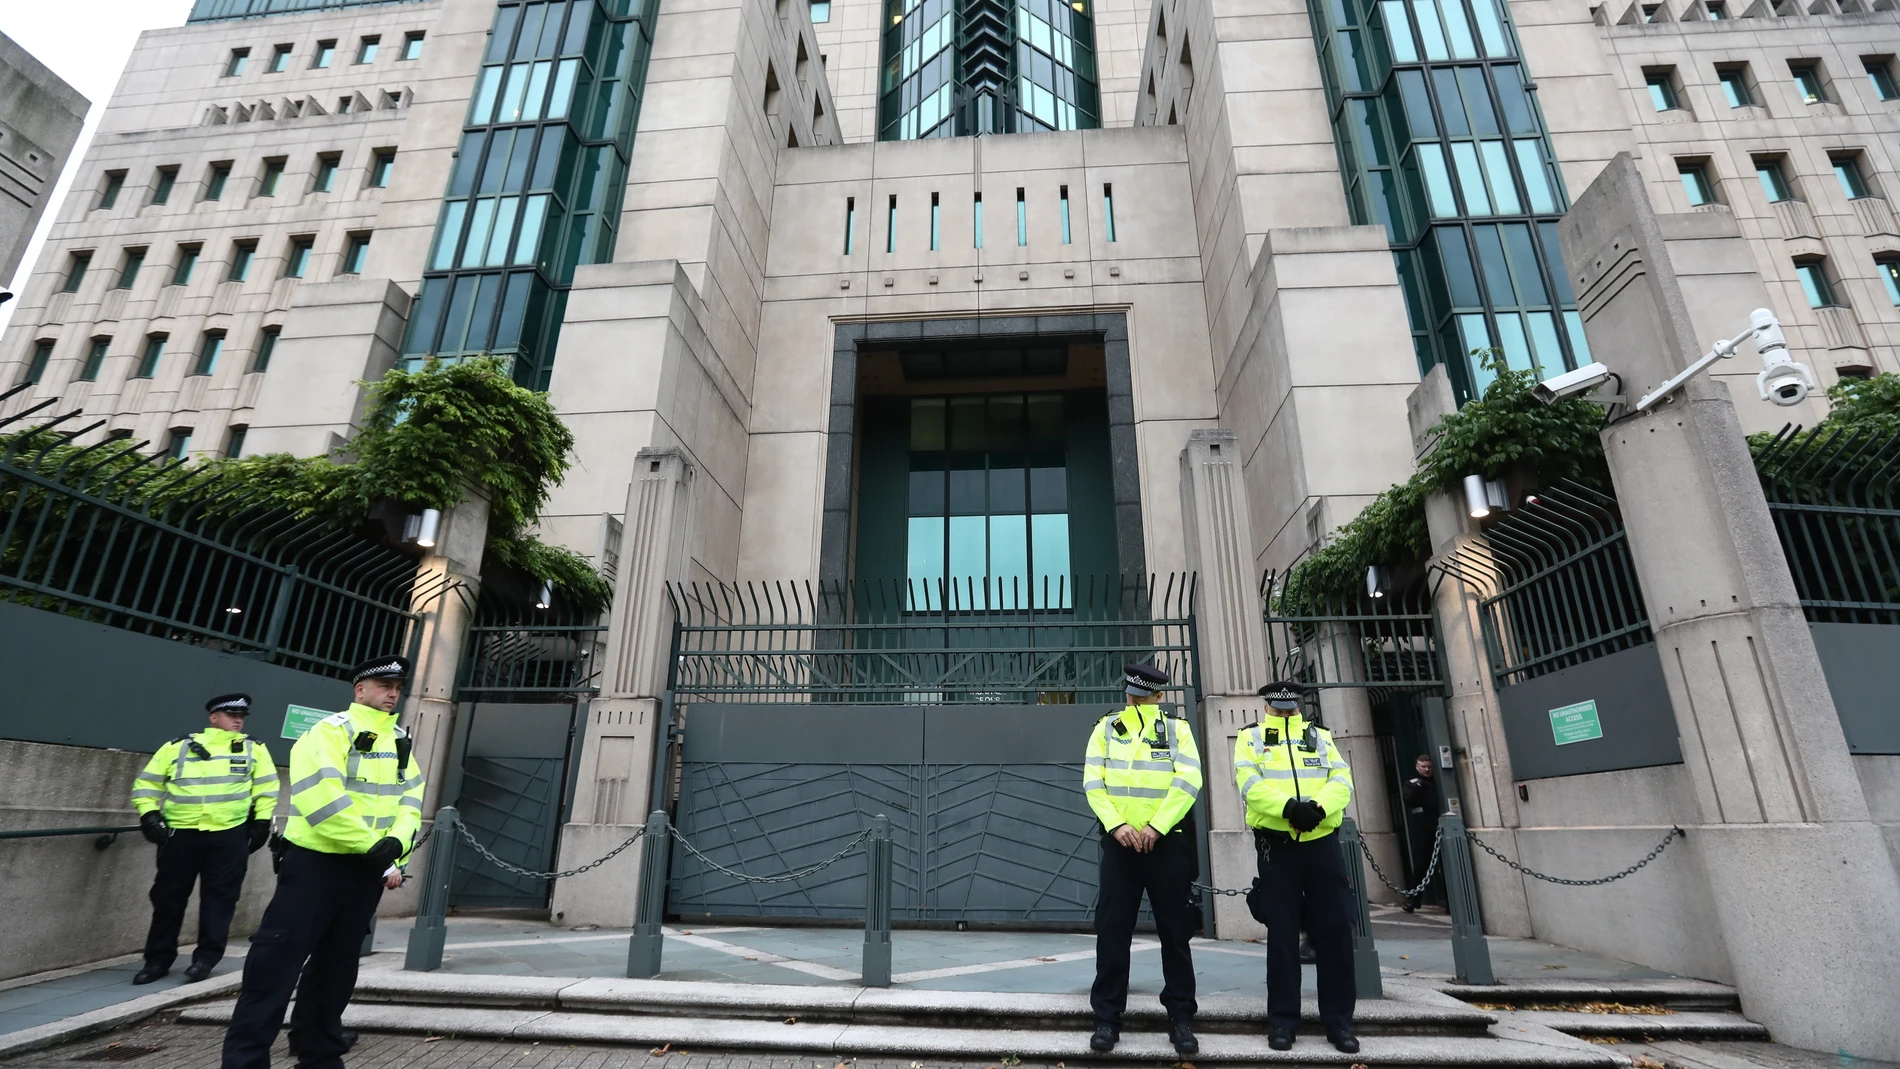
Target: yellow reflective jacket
{"points": [[343, 798], [1142, 769], [1276, 759], [233, 782]]}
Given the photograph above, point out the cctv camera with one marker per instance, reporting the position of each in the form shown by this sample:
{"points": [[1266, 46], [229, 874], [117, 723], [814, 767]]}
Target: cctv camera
{"points": [[1570, 383], [1783, 381]]}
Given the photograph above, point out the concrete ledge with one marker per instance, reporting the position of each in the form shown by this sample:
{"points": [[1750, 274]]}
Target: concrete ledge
{"points": [[432, 988], [108, 1018], [1638, 1025], [1670, 991]]}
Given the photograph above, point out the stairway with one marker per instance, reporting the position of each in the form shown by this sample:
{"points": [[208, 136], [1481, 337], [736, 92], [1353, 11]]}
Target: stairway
{"points": [[1643, 1010], [1415, 1025]]}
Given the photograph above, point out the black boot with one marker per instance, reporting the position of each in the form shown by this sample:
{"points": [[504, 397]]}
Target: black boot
{"points": [[150, 973], [1181, 1034], [1307, 957], [1343, 1042], [1280, 1038], [198, 970], [1105, 1038]]}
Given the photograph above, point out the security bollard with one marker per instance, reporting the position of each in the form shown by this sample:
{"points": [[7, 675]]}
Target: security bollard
{"points": [[643, 950], [1470, 954], [1365, 956], [432, 901], [877, 904]]}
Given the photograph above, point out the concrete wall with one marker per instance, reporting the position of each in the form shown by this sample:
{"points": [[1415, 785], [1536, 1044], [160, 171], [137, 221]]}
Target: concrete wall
{"points": [[40, 119], [85, 904]]}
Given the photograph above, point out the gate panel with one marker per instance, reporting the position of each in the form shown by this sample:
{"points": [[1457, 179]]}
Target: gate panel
{"points": [[513, 777]]}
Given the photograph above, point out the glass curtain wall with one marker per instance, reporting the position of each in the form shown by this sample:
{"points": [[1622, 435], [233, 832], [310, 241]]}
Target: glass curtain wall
{"points": [[955, 68], [537, 181], [1440, 140]]}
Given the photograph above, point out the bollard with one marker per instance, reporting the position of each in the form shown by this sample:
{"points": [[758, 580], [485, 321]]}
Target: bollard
{"points": [[432, 901], [1365, 956], [877, 905], [643, 950], [1470, 954]]}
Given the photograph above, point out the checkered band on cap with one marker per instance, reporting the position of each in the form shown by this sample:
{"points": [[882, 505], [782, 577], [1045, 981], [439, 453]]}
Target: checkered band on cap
{"points": [[1144, 677], [381, 668], [229, 703], [1282, 692]]}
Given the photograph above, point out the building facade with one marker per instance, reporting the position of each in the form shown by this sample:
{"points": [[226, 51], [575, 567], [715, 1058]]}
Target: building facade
{"points": [[40, 119], [1164, 315]]}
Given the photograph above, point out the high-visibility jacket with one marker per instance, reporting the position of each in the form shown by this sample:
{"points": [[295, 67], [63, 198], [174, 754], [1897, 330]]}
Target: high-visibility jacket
{"points": [[1142, 769], [346, 787], [1285, 757], [209, 780]]}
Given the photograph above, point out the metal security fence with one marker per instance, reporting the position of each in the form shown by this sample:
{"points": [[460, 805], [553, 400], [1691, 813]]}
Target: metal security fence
{"points": [[1832, 496], [528, 655], [1555, 583], [900, 643], [1381, 639], [111, 535]]}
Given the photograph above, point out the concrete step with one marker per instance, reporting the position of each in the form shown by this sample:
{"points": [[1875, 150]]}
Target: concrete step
{"points": [[1677, 1025], [1423, 1014], [1529, 1045], [1673, 993]]}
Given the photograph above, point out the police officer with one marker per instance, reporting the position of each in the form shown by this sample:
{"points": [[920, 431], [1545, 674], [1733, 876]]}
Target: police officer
{"points": [[1141, 776], [1296, 786], [355, 808], [206, 800]]}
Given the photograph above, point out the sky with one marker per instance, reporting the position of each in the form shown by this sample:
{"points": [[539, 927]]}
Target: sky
{"points": [[87, 43]]}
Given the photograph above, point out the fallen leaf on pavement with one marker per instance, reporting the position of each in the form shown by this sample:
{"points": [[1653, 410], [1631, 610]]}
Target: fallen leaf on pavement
{"points": [[1644, 1061], [791, 1020], [1405, 957], [1184, 1065], [660, 1052], [434, 1039]]}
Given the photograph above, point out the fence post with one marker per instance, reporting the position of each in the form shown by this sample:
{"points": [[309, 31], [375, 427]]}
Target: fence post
{"points": [[877, 904], [432, 903], [1365, 956], [280, 612], [643, 950], [1470, 954]]}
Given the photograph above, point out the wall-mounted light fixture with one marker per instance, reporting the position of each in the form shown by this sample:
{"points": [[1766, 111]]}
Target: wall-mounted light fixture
{"points": [[421, 529], [544, 596], [1482, 496], [1375, 581]]}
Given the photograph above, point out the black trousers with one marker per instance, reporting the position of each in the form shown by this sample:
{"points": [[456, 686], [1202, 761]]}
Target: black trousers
{"points": [[1164, 874], [322, 908], [1305, 883], [215, 861]]}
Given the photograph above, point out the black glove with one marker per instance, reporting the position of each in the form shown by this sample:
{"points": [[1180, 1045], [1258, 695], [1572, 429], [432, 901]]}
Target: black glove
{"points": [[152, 826], [259, 831], [1303, 813], [385, 852]]}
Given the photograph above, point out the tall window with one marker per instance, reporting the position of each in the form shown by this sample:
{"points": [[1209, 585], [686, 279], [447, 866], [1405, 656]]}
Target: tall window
{"points": [[1015, 66], [148, 360], [324, 55], [1662, 89], [266, 346], [187, 263], [129, 270], [240, 57], [412, 45], [367, 48], [109, 196], [167, 178], [326, 172], [1815, 284], [988, 503], [1774, 180], [297, 259], [216, 179], [381, 167], [209, 349], [280, 59], [1888, 267], [1808, 83], [1735, 86], [242, 253], [1847, 172], [355, 253], [1695, 181], [820, 11], [1880, 75], [42, 354], [273, 173], [95, 359], [76, 271], [178, 443], [234, 442]]}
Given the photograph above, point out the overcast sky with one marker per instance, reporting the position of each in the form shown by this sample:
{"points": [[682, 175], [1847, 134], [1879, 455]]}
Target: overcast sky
{"points": [[85, 42]]}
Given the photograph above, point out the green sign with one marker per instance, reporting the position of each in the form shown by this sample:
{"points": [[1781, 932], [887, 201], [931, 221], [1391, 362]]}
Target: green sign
{"points": [[1576, 723], [301, 718]]}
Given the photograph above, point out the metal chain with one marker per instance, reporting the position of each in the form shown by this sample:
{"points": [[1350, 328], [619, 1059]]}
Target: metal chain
{"points": [[1431, 867], [1653, 855], [1212, 890], [787, 877], [469, 838]]}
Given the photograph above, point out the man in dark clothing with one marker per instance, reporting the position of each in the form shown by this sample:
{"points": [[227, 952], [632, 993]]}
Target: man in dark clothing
{"points": [[1420, 793]]}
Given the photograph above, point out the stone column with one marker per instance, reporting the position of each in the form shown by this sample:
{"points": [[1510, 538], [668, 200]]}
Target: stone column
{"points": [[614, 782], [1233, 661], [1806, 893], [1485, 783]]}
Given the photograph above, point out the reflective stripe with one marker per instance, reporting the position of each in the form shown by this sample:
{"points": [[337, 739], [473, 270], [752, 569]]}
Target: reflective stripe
{"points": [[200, 781], [413, 803], [1138, 792], [150, 777], [1091, 784], [1252, 782], [1193, 790], [1093, 761], [206, 799], [326, 812], [1275, 773], [1184, 761], [148, 792], [315, 778], [378, 823], [366, 787], [1142, 766]]}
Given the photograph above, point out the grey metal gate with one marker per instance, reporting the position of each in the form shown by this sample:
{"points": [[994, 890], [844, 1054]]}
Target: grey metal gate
{"points": [[807, 712]]}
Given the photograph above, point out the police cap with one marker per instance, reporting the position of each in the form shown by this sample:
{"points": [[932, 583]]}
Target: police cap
{"points": [[1145, 678], [391, 667], [1284, 690], [235, 704]]}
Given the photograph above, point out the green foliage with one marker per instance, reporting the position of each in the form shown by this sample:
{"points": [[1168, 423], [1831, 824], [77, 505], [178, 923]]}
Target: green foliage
{"points": [[1867, 405], [1507, 428], [570, 572]]}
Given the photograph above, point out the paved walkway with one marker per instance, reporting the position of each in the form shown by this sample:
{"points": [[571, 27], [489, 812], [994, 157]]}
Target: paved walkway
{"points": [[1003, 961]]}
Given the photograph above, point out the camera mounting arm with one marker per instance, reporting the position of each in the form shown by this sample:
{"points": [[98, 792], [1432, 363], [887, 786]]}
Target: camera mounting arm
{"points": [[1764, 328]]}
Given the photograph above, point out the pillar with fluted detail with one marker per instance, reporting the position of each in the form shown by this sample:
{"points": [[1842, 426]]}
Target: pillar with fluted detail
{"points": [[613, 784]]}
